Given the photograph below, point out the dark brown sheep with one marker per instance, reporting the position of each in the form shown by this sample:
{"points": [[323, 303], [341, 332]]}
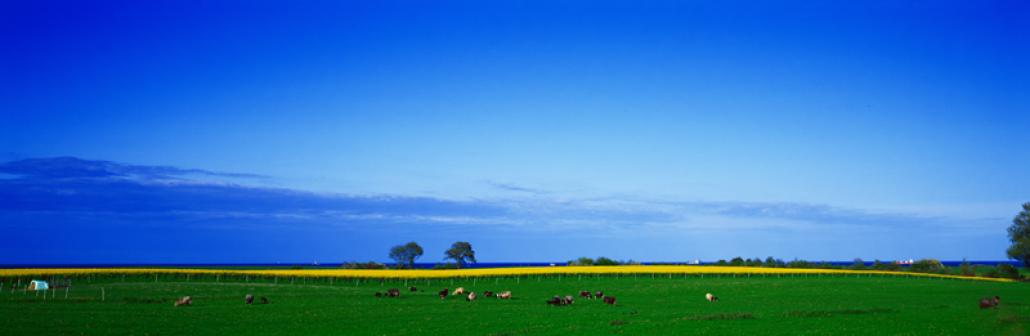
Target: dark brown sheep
{"points": [[989, 302], [556, 300], [488, 293], [599, 294], [264, 300], [585, 294], [609, 300], [443, 293], [413, 289], [393, 292]]}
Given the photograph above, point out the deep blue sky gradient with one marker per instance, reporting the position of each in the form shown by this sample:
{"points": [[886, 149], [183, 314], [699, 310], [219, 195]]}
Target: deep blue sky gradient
{"points": [[259, 131]]}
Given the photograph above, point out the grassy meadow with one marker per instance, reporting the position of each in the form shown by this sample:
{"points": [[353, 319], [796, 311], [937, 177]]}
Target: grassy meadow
{"points": [[647, 303]]}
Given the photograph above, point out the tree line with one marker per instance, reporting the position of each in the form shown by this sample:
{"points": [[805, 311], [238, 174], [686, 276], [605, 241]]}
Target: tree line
{"points": [[404, 256], [1019, 235]]}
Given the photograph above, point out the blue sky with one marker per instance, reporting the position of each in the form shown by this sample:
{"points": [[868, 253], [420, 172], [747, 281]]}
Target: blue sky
{"points": [[250, 131]]}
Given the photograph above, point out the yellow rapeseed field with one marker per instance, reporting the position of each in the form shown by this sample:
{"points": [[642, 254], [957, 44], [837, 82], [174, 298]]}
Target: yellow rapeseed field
{"points": [[480, 272]]}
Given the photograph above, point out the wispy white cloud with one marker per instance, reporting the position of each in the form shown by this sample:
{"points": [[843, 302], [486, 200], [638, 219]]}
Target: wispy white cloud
{"points": [[80, 186]]}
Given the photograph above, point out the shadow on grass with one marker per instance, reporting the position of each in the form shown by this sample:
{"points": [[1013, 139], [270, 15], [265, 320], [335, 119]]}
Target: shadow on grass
{"points": [[147, 300], [837, 312], [720, 316]]}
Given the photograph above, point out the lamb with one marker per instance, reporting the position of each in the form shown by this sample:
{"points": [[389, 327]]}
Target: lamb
{"points": [[556, 300], [585, 294], [379, 294], [504, 295], [184, 301], [413, 289], [599, 294], [568, 299], [471, 297], [711, 298], [248, 299], [443, 293], [609, 300], [264, 300], [488, 293], [459, 291]]}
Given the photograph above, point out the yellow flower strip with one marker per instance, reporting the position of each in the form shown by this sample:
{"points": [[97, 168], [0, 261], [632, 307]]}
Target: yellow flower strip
{"points": [[481, 272]]}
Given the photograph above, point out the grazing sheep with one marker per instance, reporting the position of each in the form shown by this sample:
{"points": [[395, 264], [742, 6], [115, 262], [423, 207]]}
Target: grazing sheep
{"points": [[413, 289], [471, 297], [609, 300], [599, 294], [989, 302], [504, 295], [184, 301], [248, 299], [560, 301], [443, 293], [488, 293], [393, 292], [585, 294], [711, 298], [264, 300], [459, 291], [379, 294]]}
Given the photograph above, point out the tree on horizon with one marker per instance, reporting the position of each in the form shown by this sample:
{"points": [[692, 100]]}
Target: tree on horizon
{"points": [[406, 254], [1019, 235], [461, 252]]}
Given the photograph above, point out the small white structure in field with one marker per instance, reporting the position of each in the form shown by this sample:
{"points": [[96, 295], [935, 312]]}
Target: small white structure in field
{"points": [[38, 285]]}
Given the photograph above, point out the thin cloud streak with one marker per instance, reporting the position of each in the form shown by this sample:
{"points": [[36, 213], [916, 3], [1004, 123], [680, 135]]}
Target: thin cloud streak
{"points": [[76, 186]]}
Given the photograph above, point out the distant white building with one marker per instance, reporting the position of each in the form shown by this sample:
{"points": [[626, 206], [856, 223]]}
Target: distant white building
{"points": [[38, 285]]}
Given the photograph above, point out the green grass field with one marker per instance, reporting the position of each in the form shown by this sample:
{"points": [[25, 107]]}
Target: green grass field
{"points": [[662, 306]]}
